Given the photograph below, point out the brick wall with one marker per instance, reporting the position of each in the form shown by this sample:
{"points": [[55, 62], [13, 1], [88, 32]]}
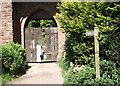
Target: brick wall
{"points": [[6, 32]]}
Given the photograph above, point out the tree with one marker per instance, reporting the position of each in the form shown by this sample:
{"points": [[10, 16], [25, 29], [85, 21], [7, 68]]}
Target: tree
{"points": [[41, 23]]}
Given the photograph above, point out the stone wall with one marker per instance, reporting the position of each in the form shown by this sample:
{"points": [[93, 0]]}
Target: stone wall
{"points": [[6, 31], [61, 43]]}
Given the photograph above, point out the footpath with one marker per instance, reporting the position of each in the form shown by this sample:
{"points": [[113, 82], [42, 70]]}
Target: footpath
{"points": [[41, 73]]}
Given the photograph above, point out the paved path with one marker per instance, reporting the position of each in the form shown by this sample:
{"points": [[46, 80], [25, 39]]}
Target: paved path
{"points": [[41, 73]]}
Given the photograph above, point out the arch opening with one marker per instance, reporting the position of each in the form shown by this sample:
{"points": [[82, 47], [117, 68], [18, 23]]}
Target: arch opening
{"points": [[38, 26]]}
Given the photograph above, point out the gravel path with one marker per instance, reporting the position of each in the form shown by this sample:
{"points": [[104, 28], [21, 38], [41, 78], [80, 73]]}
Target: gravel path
{"points": [[41, 73]]}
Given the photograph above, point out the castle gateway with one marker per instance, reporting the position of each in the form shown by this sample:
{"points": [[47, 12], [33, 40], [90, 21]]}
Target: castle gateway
{"points": [[15, 17]]}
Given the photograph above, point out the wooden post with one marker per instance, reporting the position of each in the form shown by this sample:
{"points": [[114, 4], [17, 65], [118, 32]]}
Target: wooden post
{"points": [[96, 52]]}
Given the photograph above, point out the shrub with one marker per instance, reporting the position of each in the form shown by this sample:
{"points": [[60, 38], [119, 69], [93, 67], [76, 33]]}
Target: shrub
{"points": [[78, 18], [70, 78], [87, 77], [6, 77], [111, 52], [64, 64], [13, 59], [86, 74]]}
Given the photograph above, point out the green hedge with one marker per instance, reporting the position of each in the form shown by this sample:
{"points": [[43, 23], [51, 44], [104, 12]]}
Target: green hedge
{"points": [[78, 18], [110, 76], [64, 64], [13, 59]]}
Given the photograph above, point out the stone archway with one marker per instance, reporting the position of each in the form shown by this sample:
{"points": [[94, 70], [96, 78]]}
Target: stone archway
{"points": [[15, 15], [37, 12], [29, 14], [22, 12]]}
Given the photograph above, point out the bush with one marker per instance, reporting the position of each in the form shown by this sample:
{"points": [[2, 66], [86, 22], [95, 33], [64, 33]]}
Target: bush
{"points": [[111, 52], [64, 64], [87, 77], [86, 74], [6, 77], [13, 59], [78, 18]]}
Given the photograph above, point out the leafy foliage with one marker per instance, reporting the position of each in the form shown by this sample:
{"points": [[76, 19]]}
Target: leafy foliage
{"points": [[86, 76], [34, 23], [78, 18], [80, 77], [64, 64], [46, 23], [6, 77], [41, 23], [13, 59], [111, 47]]}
